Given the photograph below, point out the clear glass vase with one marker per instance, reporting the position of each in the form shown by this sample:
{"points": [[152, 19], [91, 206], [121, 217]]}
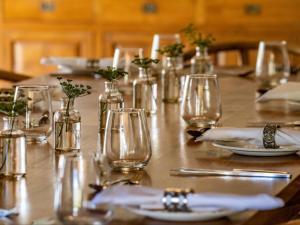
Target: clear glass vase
{"points": [[201, 62], [171, 81], [13, 149], [67, 123], [145, 92], [111, 99]]}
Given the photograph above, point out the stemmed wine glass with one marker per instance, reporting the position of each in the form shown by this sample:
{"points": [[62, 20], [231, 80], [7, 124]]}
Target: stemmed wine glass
{"points": [[123, 57]]}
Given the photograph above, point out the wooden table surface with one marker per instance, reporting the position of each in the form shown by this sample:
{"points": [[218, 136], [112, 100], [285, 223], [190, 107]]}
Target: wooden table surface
{"points": [[172, 148]]}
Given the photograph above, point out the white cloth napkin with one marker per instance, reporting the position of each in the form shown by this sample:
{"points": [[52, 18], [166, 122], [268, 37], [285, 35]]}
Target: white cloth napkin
{"points": [[289, 91], [150, 198], [284, 136], [76, 63], [8, 212]]}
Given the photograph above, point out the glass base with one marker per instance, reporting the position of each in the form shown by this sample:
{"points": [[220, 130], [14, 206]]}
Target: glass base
{"points": [[67, 150], [202, 124], [36, 139], [127, 166], [12, 176], [171, 100]]}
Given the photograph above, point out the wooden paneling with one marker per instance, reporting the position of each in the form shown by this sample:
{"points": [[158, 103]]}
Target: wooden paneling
{"points": [[145, 12], [24, 50], [49, 10], [95, 27]]}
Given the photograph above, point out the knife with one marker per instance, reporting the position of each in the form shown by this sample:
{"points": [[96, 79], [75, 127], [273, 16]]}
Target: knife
{"points": [[234, 172]]}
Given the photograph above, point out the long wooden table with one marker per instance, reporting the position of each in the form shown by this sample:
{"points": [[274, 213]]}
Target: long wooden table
{"points": [[172, 148]]}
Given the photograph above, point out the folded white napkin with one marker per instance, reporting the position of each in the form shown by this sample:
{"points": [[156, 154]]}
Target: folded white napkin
{"points": [[284, 136], [74, 62], [8, 212], [150, 198], [289, 91]]}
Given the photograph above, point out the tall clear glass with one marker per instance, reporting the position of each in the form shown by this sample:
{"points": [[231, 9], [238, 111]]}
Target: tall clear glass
{"points": [[127, 144], [201, 105], [67, 126], [111, 99], [12, 149], [123, 58], [201, 62], [171, 82], [145, 92], [37, 121], [161, 40], [72, 193], [272, 64]]}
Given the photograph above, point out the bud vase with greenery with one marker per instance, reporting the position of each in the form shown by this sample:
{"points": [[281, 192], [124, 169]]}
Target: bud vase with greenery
{"points": [[111, 98], [201, 62], [145, 86], [12, 140], [67, 120], [172, 79]]}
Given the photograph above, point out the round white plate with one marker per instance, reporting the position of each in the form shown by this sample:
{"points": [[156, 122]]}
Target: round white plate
{"points": [[182, 216], [245, 148]]}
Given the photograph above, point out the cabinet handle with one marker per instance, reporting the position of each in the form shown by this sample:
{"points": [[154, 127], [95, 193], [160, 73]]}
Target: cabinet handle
{"points": [[252, 9], [149, 8], [47, 6]]}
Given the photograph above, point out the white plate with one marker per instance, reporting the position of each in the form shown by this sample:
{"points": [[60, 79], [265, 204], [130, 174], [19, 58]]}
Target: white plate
{"points": [[182, 216], [245, 148]]}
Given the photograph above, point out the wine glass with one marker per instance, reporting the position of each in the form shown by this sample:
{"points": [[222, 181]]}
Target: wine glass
{"points": [[37, 120], [272, 64], [161, 40], [127, 143], [122, 59], [73, 193], [201, 105]]}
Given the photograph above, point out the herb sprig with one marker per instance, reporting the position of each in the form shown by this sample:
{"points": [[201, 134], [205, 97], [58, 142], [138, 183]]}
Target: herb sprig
{"points": [[73, 91], [9, 106], [172, 50], [196, 38], [144, 62], [111, 73]]}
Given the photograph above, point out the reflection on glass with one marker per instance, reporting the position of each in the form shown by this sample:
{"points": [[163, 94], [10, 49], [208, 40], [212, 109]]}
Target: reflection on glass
{"points": [[127, 144], [272, 64], [72, 192], [37, 121], [122, 59], [201, 106]]}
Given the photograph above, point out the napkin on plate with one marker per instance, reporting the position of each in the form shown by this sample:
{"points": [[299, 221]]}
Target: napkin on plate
{"points": [[151, 198], [289, 91], [284, 136]]}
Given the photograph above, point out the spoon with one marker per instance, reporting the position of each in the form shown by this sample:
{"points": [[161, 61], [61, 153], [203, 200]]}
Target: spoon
{"points": [[197, 133]]}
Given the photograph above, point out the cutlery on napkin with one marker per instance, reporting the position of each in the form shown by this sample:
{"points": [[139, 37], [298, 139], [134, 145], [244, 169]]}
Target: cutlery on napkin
{"points": [[151, 198], [289, 91], [284, 136], [234, 173]]}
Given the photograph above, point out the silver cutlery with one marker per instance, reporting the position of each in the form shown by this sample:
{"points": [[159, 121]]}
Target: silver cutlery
{"points": [[234, 172], [282, 124]]}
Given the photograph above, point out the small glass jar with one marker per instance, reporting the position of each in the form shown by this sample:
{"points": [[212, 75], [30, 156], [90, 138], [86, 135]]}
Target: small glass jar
{"points": [[171, 81], [201, 62], [111, 99], [67, 125], [13, 149], [145, 92]]}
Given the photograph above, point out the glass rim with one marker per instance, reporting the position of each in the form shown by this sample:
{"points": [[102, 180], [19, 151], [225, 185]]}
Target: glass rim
{"points": [[202, 75], [273, 43], [127, 110], [33, 86]]}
